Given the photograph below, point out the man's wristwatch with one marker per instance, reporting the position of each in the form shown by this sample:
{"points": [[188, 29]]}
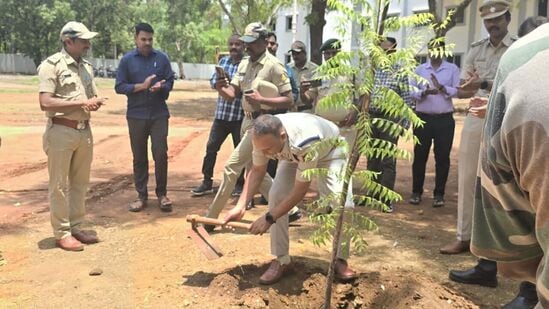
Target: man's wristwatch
{"points": [[269, 218], [484, 85]]}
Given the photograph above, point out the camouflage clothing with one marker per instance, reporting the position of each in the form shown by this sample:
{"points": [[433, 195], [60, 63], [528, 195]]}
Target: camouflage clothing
{"points": [[511, 212]]}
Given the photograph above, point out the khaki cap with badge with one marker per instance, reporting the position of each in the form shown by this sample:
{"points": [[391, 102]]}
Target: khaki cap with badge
{"points": [[253, 32], [74, 29], [494, 8]]}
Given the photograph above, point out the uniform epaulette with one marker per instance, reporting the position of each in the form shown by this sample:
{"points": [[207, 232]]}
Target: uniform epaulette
{"points": [[514, 37], [54, 59], [480, 42], [309, 140]]}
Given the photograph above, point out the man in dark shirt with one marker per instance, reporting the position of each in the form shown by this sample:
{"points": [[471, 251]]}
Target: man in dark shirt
{"points": [[145, 76]]}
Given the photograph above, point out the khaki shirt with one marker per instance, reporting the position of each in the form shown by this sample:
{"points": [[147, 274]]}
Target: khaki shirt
{"points": [[304, 131], [67, 79], [267, 68], [303, 74], [483, 58], [328, 111]]}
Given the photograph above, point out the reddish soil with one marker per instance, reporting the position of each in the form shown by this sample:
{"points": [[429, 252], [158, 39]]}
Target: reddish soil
{"points": [[146, 258]]}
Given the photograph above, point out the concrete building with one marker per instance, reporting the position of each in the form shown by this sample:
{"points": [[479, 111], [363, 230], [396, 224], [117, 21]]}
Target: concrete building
{"points": [[468, 29]]}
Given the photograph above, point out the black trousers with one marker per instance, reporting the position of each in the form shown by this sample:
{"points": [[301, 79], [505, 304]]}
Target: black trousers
{"points": [[218, 133], [386, 166], [140, 130], [437, 130]]}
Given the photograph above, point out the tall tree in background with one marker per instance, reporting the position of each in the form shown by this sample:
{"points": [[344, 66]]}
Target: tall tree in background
{"points": [[316, 20], [248, 11], [439, 20]]}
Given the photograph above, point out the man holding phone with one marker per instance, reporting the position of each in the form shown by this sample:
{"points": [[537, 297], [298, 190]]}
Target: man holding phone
{"points": [[145, 76], [303, 70], [227, 120], [262, 67]]}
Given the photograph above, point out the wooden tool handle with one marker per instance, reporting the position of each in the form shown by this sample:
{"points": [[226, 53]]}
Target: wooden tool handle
{"points": [[211, 221]]}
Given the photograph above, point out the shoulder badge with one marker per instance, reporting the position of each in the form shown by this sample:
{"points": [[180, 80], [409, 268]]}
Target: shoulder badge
{"points": [[54, 59], [479, 42]]}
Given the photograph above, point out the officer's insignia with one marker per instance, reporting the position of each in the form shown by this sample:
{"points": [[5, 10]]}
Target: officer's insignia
{"points": [[284, 77], [493, 9]]}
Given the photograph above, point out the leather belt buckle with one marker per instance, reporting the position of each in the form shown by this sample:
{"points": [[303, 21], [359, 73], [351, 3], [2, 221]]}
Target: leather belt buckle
{"points": [[81, 125]]}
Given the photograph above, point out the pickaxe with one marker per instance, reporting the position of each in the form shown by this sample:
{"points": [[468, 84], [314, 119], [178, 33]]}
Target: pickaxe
{"points": [[202, 238]]}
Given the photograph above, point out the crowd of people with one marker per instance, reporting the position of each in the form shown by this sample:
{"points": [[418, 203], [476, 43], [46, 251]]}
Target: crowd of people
{"points": [[275, 116]]}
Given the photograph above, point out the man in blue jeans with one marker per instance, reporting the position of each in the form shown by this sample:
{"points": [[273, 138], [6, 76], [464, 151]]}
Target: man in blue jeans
{"points": [[145, 76]]}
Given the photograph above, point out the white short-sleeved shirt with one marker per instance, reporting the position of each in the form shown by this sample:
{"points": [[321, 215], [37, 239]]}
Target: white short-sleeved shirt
{"points": [[304, 131]]}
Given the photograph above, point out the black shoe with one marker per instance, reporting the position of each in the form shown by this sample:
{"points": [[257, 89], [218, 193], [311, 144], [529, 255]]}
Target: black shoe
{"points": [[415, 199], [263, 201], [250, 205], [295, 216], [204, 188], [389, 208], [236, 192], [527, 297], [209, 228], [475, 275], [438, 201]]}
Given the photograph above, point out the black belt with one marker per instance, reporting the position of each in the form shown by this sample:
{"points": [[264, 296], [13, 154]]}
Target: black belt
{"points": [[258, 113], [443, 115]]}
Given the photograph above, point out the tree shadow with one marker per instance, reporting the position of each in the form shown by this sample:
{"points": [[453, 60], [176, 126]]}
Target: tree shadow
{"points": [[47, 243]]}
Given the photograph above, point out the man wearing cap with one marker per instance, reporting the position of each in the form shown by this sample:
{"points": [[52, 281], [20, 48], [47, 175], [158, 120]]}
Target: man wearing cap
{"points": [[293, 139], [477, 76], [68, 95], [260, 70], [145, 76], [303, 71], [342, 116]]}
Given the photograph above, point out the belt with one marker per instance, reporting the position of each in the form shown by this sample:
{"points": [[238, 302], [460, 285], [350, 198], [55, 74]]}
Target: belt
{"points": [[304, 107], [73, 124], [443, 115], [254, 115]]}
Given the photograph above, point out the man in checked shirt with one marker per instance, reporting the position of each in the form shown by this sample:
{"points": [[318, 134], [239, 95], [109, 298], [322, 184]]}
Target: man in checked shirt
{"points": [[228, 119]]}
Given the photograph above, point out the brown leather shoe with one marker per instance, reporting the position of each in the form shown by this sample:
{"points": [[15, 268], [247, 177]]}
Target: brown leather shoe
{"points": [[343, 272], [456, 247], [274, 273], [137, 205], [86, 237], [164, 203], [70, 244]]}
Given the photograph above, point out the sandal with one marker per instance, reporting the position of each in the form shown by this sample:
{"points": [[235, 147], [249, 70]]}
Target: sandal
{"points": [[165, 204], [137, 205]]}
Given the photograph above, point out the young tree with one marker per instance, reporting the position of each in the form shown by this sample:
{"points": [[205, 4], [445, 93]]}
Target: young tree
{"points": [[358, 68]]}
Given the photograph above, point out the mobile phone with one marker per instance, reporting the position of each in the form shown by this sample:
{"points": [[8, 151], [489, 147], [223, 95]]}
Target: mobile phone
{"points": [[249, 91], [220, 72], [314, 83]]}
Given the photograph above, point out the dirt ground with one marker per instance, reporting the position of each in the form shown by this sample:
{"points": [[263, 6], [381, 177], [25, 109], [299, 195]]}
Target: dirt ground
{"points": [[147, 260]]}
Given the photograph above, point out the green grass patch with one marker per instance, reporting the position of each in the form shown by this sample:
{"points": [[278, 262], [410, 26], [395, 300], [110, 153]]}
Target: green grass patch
{"points": [[18, 90], [22, 80], [6, 131]]}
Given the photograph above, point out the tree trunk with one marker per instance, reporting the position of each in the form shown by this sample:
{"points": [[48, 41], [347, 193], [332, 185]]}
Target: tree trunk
{"points": [[316, 20]]}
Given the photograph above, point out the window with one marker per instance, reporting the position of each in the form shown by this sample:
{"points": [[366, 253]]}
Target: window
{"points": [[289, 21], [272, 25], [459, 16], [542, 8], [421, 59], [455, 59]]}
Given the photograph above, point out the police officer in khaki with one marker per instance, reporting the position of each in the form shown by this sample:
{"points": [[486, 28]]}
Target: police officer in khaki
{"points": [[477, 75], [260, 67], [292, 139], [303, 71], [68, 95]]}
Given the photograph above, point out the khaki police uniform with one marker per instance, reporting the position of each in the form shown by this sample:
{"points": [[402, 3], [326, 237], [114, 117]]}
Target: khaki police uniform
{"points": [[267, 68], [303, 74], [304, 131], [68, 140], [483, 59]]}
